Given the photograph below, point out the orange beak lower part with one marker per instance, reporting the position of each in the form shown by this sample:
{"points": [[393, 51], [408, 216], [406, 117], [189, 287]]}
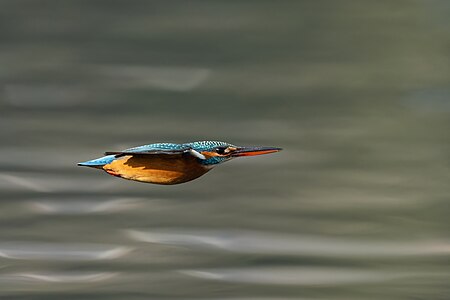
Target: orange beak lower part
{"points": [[252, 151]]}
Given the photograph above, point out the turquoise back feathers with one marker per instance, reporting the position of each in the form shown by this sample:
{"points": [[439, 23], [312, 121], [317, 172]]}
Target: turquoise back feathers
{"points": [[199, 146]]}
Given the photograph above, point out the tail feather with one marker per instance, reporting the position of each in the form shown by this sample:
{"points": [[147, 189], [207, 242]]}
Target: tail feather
{"points": [[99, 162]]}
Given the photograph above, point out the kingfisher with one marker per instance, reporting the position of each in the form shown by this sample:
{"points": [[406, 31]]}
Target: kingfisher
{"points": [[169, 163]]}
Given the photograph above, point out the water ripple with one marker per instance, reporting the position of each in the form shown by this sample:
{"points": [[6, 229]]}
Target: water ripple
{"points": [[49, 183], [66, 252], [168, 78], [21, 183], [44, 95], [77, 277], [72, 207], [255, 242], [295, 276]]}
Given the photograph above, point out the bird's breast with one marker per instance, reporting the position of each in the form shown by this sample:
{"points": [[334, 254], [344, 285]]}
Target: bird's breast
{"points": [[159, 169]]}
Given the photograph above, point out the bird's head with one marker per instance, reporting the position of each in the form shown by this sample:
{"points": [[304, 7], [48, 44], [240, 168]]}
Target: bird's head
{"points": [[212, 153]]}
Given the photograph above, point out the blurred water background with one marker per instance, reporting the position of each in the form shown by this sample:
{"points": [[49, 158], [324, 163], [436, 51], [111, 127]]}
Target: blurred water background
{"points": [[355, 207]]}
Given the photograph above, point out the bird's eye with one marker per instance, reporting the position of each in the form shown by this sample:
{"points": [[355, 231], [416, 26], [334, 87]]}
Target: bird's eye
{"points": [[221, 150]]}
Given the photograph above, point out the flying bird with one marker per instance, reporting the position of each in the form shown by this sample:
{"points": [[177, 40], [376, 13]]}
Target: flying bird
{"points": [[168, 163]]}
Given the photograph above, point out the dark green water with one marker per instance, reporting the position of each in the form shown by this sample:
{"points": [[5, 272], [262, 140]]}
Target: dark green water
{"points": [[355, 207]]}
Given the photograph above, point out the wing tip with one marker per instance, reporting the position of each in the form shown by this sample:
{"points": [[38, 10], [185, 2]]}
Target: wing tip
{"points": [[97, 163]]}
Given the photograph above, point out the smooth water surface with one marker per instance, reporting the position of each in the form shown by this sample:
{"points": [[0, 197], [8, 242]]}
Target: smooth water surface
{"points": [[355, 207]]}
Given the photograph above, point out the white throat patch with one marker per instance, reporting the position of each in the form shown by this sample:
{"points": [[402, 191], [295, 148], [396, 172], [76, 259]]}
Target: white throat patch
{"points": [[197, 154]]}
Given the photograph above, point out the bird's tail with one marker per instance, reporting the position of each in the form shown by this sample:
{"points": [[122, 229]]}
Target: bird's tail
{"points": [[99, 162]]}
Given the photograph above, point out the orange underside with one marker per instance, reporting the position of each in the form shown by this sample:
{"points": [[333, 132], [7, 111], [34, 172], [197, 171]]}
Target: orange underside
{"points": [[159, 169]]}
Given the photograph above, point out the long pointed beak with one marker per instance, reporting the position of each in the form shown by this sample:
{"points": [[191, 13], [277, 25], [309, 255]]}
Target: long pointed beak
{"points": [[252, 151]]}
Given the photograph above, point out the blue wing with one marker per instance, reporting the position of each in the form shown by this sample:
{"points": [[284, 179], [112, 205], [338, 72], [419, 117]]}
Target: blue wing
{"points": [[152, 149], [159, 148]]}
